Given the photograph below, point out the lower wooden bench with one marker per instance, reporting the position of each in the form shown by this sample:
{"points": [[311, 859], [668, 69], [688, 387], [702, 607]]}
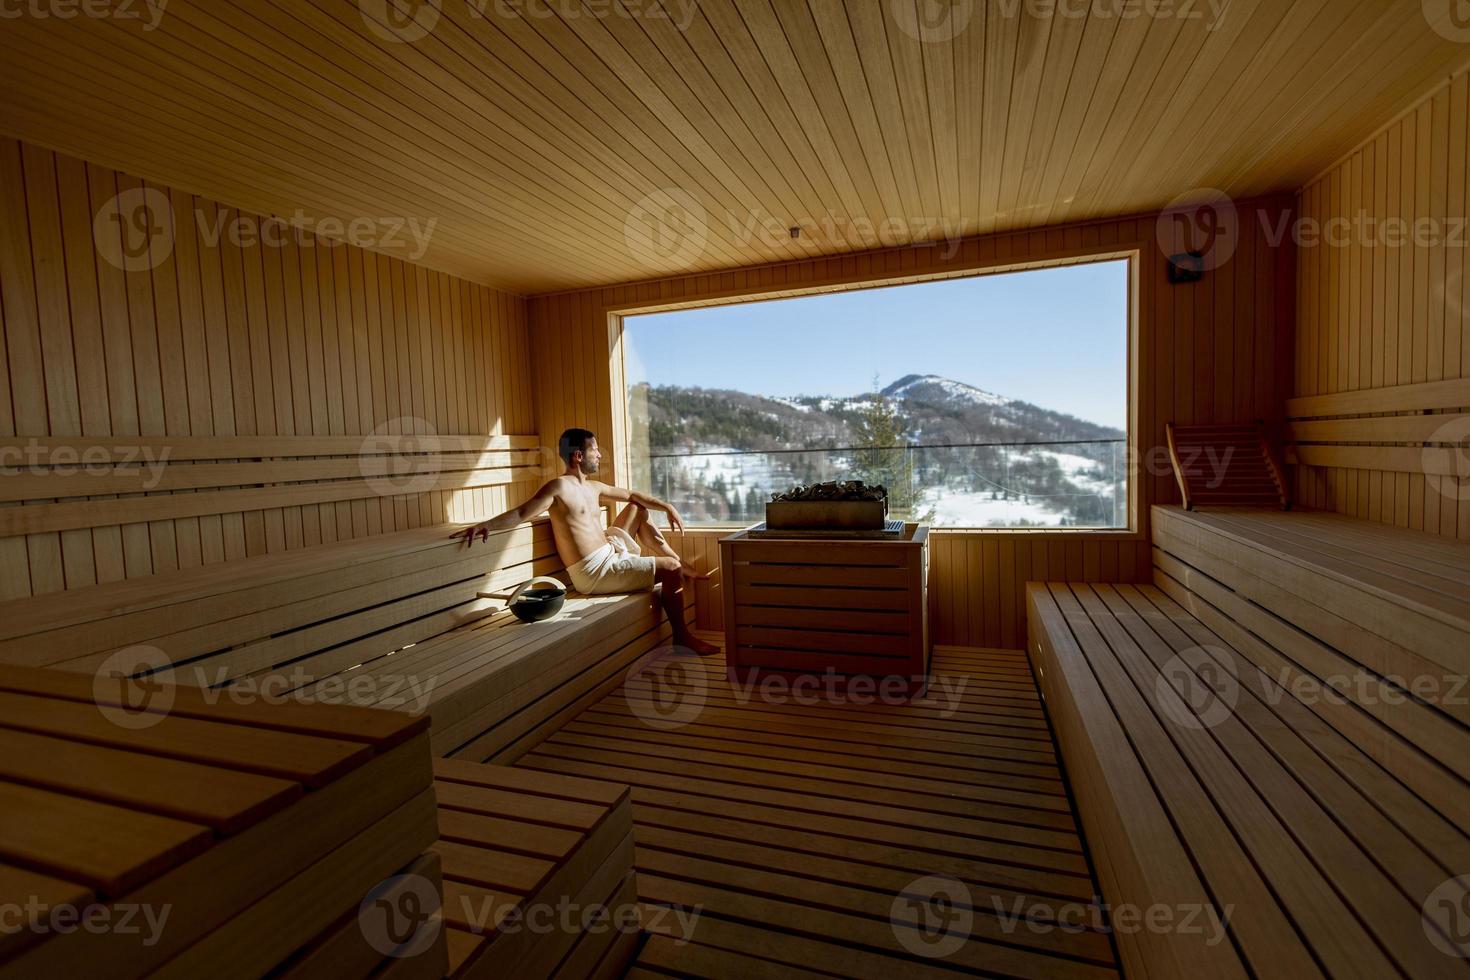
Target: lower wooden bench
{"points": [[1206, 788], [538, 873], [206, 839]]}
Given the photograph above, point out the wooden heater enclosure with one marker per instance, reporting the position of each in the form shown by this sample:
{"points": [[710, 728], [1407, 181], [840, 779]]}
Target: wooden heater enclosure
{"points": [[827, 607]]}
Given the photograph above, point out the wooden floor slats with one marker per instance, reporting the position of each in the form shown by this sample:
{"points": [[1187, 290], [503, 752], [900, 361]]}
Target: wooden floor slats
{"points": [[799, 830]]}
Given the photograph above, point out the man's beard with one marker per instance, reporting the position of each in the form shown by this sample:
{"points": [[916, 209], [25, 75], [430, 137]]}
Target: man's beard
{"points": [[587, 468]]}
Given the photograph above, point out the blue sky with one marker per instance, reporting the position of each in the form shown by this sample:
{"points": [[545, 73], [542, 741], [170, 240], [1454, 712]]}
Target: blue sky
{"points": [[1055, 337]]}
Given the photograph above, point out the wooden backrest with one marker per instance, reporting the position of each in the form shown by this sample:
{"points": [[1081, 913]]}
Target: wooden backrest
{"points": [[303, 614], [1226, 466], [171, 477], [1419, 429]]}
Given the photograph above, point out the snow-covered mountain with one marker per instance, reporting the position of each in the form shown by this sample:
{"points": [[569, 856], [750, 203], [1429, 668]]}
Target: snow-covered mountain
{"points": [[983, 459]]}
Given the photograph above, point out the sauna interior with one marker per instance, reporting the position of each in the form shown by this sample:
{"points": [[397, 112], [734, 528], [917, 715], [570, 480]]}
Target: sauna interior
{"points": [[440, 525]]}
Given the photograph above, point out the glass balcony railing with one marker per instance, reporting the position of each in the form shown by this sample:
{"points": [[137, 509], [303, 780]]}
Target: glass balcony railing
{"points": [[1019, 484]]}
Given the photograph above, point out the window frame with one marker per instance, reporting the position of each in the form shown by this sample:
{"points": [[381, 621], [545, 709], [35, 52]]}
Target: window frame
{"points": [[1131, 253]]}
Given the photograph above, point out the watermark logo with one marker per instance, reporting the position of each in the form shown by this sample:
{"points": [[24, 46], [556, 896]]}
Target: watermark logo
{"points": [[669, 227], [679, 13], [1446, 918], [134, 231], [932, 916], [36, 916], [127, 689], [401, 21], [1446, 460], [401, 916], [1449, 18], [1202, 222], [398, 457], [1043, 918], [1198, 697], [932, 21], [37, 457], [666, 689], [150, 12]]}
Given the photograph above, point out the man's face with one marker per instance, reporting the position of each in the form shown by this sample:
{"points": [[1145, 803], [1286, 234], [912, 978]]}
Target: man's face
{"points": [[591, 458]]}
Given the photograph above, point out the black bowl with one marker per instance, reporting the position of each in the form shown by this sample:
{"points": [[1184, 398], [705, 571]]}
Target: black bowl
{"points": [[534, 605]]}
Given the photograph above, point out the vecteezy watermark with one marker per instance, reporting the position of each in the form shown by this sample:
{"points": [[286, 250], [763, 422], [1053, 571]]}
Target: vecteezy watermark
{"points": [[1446, 459], [940, 21], [933, 21], [489, 913], [679, 13], [668, 227], [1370, 691], [933, 916], [400, 21], [839, 231], [1449, 18], [136, 231], [1364, 230], [36, 916], [149, 12], [293, 685], [129, 687], [400, 457], [401, 916], [1198, 688], [1446, 918], [37, 457], [1043, 918], [665, 688], [942, 691], [1203, 223]]}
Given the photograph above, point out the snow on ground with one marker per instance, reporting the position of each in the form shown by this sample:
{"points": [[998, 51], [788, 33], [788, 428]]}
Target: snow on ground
{"points": [[1082, 471], [957, 508]]}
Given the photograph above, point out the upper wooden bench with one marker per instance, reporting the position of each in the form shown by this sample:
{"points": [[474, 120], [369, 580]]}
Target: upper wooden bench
{"points": [[1275, 729], [391, 621]]}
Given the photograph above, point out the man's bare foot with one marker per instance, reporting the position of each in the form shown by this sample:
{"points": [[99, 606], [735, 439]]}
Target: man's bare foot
{"points": [[698, 646]]}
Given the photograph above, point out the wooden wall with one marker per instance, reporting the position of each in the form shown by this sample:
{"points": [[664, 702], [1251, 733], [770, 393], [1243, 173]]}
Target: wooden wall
{"points": [[291, 392], [1383, 353], [1216, 351]]}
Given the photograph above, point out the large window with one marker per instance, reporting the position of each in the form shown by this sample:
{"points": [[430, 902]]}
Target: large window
{"points": [[990, 401]]}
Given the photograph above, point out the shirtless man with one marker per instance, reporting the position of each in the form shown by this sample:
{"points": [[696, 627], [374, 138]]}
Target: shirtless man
{"points": [[605, 562]]}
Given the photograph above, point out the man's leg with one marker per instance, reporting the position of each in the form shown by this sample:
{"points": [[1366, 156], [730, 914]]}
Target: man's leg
{"points": [[632, 519], [652, 540], [672, 577]]}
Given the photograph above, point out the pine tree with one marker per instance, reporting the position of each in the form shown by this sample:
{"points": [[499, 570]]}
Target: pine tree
{"points": [[885, 459]]}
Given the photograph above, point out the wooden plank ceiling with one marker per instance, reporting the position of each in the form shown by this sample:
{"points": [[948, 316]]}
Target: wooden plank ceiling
{"points": [[557, 145]]}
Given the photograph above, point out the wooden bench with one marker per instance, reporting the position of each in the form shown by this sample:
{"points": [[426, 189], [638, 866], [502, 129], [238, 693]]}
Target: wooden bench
{"points": [[520, 847], [1240, 738], [391, 621], [241, 831]]}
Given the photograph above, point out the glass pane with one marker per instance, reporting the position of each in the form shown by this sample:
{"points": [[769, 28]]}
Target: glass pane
{"points": [[1024, 427]]}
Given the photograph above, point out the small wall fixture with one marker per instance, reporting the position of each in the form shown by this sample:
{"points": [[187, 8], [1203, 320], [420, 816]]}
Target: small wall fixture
{"points": [[1187, 267]]}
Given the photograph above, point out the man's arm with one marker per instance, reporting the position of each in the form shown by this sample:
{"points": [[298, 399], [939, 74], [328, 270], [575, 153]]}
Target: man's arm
{"points": [[535, 507], [646, 501]]}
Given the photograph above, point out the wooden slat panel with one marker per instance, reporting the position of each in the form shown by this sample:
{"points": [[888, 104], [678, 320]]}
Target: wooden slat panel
{"points": [[498, 157], [1411, 237], [107, 847], [229, 359]]}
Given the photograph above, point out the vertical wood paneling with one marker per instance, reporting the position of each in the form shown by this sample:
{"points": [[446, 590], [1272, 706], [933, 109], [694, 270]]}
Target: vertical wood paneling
{"points": [[270, 335], [1220, 351], [1400, 315]]}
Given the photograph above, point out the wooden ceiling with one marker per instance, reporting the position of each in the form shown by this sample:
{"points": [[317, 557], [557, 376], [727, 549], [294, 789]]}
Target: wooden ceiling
{"points": [[557, 145]]}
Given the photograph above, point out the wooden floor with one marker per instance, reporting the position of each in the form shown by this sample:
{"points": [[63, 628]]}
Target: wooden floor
{"points": [[804, 832]]}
